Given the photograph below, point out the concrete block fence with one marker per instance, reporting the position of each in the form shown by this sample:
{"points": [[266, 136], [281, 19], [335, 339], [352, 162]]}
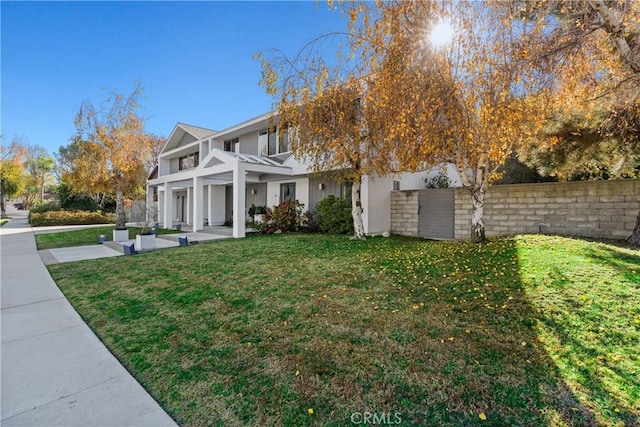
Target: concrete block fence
{"points": [[600, 209], [404, 212]]}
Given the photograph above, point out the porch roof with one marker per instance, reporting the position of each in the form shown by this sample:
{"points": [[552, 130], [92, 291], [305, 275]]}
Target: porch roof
{"points": [[218, 166]]}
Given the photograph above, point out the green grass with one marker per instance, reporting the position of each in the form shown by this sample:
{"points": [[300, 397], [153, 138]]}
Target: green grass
{"points": [[533, 330], [3, 221], [83, 237]]}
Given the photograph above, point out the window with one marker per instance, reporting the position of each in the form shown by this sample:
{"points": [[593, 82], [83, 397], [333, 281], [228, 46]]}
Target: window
{"points": [[270, 142], [231, 144], [287, 192], [283, 144], [345, 190], [189, 161]]}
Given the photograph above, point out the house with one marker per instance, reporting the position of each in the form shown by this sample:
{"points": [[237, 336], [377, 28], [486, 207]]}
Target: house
{"points": [[207, 177]]}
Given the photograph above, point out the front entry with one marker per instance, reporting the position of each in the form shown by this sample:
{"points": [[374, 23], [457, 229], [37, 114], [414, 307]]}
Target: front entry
{"points": [[181, 208]]}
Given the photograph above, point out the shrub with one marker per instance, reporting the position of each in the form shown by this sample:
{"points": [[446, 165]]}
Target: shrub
{"points": [[287, 216], [257, 210], [439, 181], [70, 218], [81, 202], [333, 215], [258, 227], [46, 207], [74, 201], [310, 222]]}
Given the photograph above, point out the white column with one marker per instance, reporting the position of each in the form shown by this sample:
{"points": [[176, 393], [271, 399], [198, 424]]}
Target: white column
{"points": [[198, 203], [217, 204], [168, 205], [239, 190], [187, 217], [161, 206], [210, 204], [150, 216]]}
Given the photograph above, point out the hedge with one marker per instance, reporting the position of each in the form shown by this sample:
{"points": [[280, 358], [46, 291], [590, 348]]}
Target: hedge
{"points": [[70, 218]]}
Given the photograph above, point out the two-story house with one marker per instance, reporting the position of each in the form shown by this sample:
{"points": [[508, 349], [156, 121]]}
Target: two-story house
{"points": [[208, 177]]}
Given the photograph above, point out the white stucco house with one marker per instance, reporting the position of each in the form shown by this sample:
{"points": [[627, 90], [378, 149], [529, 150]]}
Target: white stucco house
{"points": [[208, 177]]}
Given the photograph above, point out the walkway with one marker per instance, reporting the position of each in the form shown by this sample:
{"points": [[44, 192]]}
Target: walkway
{"points": [[55, 371]]}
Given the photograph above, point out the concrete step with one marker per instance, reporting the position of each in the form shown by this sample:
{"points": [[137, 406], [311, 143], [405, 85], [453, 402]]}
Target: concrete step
{"points": [[118, 246]]}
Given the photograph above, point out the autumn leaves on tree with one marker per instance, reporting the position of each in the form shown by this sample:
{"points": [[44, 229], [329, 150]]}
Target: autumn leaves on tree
{"points": [[405, 105], [392, 101], [111, 149]]}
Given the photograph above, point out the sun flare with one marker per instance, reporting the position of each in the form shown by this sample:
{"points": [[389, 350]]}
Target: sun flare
{"points": [[441, 34]]}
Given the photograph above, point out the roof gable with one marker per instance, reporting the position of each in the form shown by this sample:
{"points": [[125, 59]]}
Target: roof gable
{"points": [[183, 134]]}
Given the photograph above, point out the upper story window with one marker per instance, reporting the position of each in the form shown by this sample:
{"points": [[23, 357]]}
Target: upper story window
{"points": [[230, 145], [283, 143], [271, 142], [189, 161]]}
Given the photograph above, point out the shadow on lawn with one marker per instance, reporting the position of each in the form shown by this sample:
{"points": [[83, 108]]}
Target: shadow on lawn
{"points": [[578, 355], [487, 353]]}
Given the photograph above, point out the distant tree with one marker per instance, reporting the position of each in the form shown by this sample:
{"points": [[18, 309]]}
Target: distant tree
{"points": [[74, 172], [155, 143], [38, 167], [11, 170], [514, 171], [113, 147], [579, 151]]}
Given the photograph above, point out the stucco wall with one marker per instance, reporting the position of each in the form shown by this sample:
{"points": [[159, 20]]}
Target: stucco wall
{"points": [[331, 187], [302, 191], [249, 143], [376, 199]]}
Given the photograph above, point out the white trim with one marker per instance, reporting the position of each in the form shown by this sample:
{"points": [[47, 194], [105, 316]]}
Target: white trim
{"points": [[184, 149]]}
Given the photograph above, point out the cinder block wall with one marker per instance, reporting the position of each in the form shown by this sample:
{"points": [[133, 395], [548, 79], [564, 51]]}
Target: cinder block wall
{"points": [[602, 209], [404, 213]]}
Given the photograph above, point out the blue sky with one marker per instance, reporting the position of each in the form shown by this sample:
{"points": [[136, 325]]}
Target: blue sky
{"points": [[193, 59]]}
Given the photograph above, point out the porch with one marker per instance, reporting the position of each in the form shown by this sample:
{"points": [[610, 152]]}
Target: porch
{"points": [[215, 192]]}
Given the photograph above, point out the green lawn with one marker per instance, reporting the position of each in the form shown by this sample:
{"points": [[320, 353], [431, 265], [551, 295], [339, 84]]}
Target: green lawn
{"points": [[83, 237], [3, 221], [307, 329]]}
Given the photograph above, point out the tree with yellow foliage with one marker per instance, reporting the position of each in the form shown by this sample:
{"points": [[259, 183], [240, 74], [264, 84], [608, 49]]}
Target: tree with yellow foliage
{"points": [[409, 105], [11, 169], [113, 148]]}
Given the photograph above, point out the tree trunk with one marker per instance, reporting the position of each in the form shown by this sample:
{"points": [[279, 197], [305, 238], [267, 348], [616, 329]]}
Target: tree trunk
{"points": [[121, 218], [634, 239], [356, 209], [42, 190], [477, 216], [3, 209], [477, 184]]}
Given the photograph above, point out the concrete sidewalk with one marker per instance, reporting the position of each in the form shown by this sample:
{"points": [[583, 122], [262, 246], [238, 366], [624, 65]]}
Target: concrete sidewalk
{"points": [[55, 371]]}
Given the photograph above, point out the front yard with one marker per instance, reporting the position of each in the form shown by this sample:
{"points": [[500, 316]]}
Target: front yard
{"points": [[84, 237], [317, 330]]}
